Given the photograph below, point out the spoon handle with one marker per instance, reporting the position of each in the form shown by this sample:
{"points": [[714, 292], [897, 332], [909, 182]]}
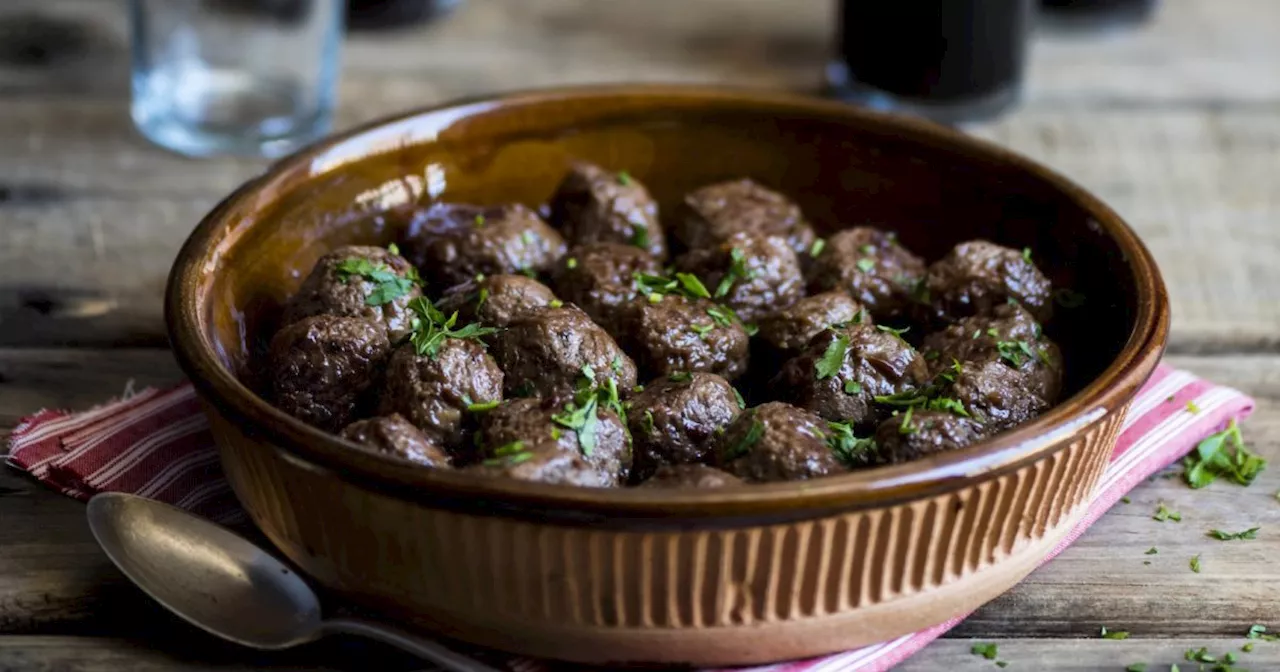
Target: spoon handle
{"points": [[417, 646]]}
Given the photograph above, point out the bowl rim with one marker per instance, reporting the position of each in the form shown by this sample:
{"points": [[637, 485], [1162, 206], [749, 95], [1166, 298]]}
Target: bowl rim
{"points": [[458, 490]]}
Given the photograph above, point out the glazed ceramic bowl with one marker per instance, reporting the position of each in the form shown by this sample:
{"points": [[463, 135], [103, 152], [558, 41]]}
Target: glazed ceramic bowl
{"points": [[706, 577]]}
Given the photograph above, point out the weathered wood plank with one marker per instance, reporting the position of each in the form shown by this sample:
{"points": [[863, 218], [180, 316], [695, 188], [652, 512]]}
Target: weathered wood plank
{"points": [[54, 580], [1088, 655], [188, 650]]}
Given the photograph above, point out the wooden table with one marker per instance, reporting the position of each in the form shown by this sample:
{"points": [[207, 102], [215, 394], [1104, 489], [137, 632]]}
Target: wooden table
{"points": [[1177, 126]]}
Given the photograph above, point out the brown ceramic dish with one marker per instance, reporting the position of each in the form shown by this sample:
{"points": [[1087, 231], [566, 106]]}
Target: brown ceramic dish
{"points": [[741, 575]]}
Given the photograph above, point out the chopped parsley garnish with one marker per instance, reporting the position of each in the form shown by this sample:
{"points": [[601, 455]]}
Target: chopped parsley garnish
{"points": [[831, 361], [1151, 551], [722, 316], [860, 317], [527, 237], [1195, 563], [850, 450], [1258, 631], [654, 284], [1026, 254], [556, 303], [1163, 513], [890, 330], [616, 364], [646, 424], [1126, 499], [481, 297], [1136, 667], [737, 271], [1223, 454], [1068, 298], [640, 236], [394, 249], [1251, 533], [905, 399], [431, 328], [987, 651], [624, 178], [866, 264], [680, 377], [387, 284], [482, 406], [1114, 634], [528, 273], [852, 387], [702, 330], [582, 413], [752, 437], [867, 249], [571, 263], [817, 246], [693, 286], [1015, 352], [906, 427], [479, 220], [510, 454], [932, 354], [742, 403], [952, 406]]}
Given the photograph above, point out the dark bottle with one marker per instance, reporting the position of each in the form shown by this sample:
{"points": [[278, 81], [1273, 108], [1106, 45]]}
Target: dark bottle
{"points": [[1092, 15], [948, 60], [381, 14]]}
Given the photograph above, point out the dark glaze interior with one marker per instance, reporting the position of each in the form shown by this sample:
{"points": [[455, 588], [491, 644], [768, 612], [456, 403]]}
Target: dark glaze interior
{"points": [[843, 167]]}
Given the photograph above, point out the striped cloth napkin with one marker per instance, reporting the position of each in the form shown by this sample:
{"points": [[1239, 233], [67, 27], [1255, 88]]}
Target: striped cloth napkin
{"points": [[156, 443]]}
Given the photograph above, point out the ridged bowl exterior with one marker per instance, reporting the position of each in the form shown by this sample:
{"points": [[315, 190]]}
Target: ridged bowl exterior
{"points": [[736, 595]]}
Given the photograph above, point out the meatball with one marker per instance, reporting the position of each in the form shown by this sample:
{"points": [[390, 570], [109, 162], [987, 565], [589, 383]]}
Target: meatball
{"points": [[593, 205], [978, 276], [497, 300], [323, 366], [599, 279], [393, 435], [690, 476], [672, 333], [790, 329], [594, 434], [754, 274], [674, 421], [453, 243], [713, 213], [777, 442], [998, 396], [545, 353], [904, 437], [1010, 335], [869, 265], [544, 466], [434, 390], [358, 281], [841, 371]]}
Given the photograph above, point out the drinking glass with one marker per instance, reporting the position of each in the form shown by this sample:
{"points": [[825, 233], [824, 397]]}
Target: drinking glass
{"points": [[948, 60], [245, 77]]}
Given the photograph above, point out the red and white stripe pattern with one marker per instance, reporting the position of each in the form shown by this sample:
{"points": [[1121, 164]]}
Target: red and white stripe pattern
{"points": [[157, 444]]}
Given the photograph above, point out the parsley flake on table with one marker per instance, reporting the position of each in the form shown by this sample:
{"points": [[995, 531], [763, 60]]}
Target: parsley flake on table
{"points": [[1195, 563], [1222, 455], [1126, 500], [1251, 533], [1114, 634], [831, 361], [1151, 551], [1164, 513], [1136, 667], [988, 651], [1192, 407]]}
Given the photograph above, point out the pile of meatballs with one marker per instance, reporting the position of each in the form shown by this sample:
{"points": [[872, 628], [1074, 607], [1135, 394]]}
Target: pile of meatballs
{"points": [[596, 344]]}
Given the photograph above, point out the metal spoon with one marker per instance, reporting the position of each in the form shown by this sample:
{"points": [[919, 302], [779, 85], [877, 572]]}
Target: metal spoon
{"points": [[225, 584]]}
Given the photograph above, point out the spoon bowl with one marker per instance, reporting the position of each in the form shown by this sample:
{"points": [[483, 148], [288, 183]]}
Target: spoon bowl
{"points": [[213, 578], [224, 584]]}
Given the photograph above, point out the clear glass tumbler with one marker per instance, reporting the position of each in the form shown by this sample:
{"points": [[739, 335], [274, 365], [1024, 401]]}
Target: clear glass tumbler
{"points": [[245, 77]]}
